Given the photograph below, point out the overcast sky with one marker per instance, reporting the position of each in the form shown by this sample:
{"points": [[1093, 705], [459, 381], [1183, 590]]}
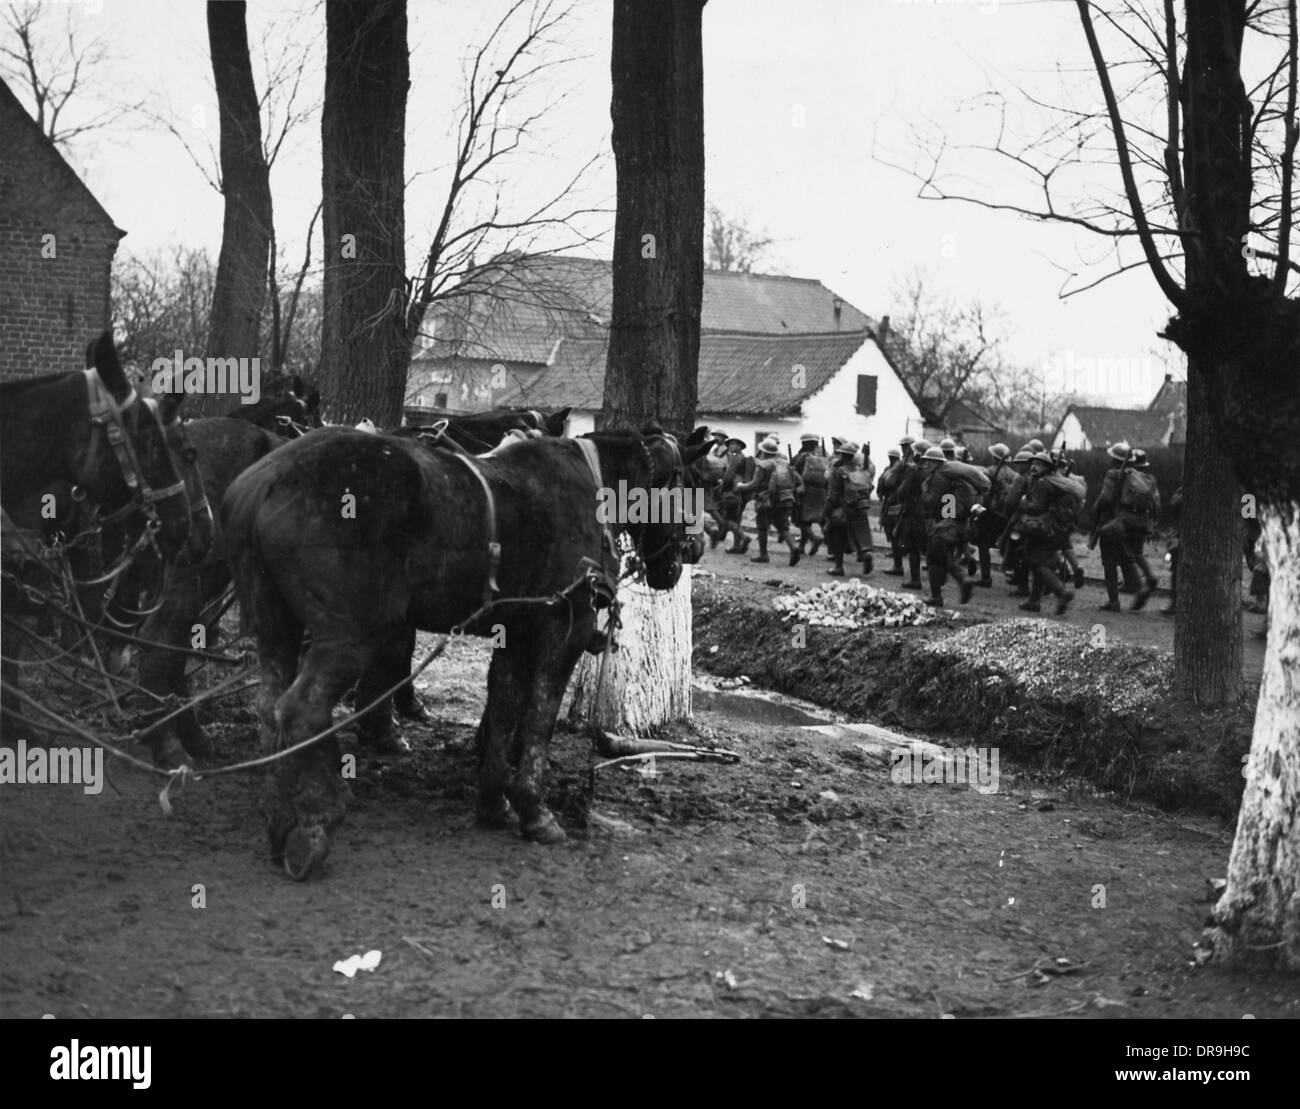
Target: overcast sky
{"points": [[800, 97]]}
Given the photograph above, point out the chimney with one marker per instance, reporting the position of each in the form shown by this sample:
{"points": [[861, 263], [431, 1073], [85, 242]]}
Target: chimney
{"points": [[882, 329], [838, 306], [1168, 378]]}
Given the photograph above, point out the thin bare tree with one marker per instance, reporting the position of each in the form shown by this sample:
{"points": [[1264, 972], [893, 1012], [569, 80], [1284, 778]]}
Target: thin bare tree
{"points": [[54, 67]]}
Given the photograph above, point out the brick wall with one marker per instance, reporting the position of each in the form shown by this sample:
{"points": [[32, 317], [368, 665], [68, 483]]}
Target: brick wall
{"points": [[50, 308]]}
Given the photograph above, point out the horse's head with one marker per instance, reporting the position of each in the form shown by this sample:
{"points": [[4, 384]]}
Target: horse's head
{"points": [[143, 461], [291, 414], [553, 425], [663, 512]]}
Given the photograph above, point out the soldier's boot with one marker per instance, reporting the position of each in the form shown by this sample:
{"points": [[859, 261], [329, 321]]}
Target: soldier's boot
{"points": [[837, 571], [1035, 595], [816, 541], [937, 572], [794, 549], [1112, 588], [914, 565], [1148, 584], [1131, 582], [986, 568]]}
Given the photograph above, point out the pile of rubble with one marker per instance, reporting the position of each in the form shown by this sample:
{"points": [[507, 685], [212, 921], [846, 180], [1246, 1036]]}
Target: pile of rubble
{"points": [[851, 604], [1058, 661]]}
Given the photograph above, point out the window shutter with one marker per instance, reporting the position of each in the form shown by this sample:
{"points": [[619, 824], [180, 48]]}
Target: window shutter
{"points": [[866, 394]]}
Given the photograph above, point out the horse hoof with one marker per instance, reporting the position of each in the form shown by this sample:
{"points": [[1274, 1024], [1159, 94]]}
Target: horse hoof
{"points": [[498, 818], [304, 849], [416, 711], [391, 744], [545, 829]]}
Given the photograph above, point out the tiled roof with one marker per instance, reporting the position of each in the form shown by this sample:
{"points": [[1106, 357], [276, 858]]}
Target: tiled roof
{"points": [[962, 416], [739, 373], [520, 306], [56, 187], [1172, 397], [1106, 426]]}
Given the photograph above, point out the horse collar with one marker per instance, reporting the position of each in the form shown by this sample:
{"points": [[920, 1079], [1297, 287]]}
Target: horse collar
{"points": [[490, 588]]}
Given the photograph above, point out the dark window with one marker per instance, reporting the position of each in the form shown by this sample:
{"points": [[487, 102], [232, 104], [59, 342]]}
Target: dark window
{"points": [[440, 400], [866, 394]]}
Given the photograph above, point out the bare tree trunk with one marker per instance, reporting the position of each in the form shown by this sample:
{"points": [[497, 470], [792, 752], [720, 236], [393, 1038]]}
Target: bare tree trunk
{"points": [[1207, 632], [240, 291], [366, 350], [1257, 919], [658, 137]]}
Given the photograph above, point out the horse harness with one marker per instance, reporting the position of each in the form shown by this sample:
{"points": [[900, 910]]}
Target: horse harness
{"points": [[106, 419]]}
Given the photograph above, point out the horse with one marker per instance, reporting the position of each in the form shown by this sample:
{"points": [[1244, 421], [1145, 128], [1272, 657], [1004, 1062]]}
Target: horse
{"points": [[120, 460], [226, 447], [291, 414], [348, 539], [478, 432]]}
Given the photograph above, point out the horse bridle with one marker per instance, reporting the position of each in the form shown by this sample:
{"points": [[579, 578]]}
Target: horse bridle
{"points": [[106, 418], [676, 475]]}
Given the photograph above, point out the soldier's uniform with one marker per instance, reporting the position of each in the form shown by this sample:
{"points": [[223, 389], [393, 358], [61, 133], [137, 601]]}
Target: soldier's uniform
{"points": [[1011, 542], [912, 536], [1122, 530], [848, 501], [740, 468], [947, 501], [993, 519], [889, 512], [776, 487], [812, 467], [1047, 512]]}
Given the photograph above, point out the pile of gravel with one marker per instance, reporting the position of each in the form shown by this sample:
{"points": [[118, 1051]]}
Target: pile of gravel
{"points": [[852, 604], [1059, 662]]}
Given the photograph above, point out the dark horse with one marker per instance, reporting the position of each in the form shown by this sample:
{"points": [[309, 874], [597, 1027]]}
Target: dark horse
{"points": [[351, 538], [122, 461], [478, 432], [290, 414], [226, 448]]}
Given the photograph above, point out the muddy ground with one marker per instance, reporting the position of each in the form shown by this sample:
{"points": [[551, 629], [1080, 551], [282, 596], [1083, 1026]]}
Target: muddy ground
{"points": [[800, 881]]}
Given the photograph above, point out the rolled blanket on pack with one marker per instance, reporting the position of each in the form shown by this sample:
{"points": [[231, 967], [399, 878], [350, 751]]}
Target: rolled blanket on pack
{"points": [[973, 474]]}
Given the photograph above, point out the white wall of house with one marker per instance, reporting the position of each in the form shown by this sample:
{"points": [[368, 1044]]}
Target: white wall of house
{"points": [[832, 410], [1070, 435]]}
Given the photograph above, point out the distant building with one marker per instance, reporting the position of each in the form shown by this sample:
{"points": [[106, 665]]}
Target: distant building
{"points": [[56, 253], [1171, 399], [1084, 427], [778, 354]]}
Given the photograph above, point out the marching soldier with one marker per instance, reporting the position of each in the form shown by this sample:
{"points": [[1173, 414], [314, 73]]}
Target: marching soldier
{"points": [[890, 512], [911, 532], [1062, 465], [1048, 510], [947, 501], [775, 486], [740, 468], [848, 500], [1125, 509], [1014, 566], [811, 465], [993, 519]]}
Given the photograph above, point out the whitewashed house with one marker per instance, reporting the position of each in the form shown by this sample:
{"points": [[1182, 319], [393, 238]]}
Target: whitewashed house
{"points": [[1089, 427], [778, 355]]}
